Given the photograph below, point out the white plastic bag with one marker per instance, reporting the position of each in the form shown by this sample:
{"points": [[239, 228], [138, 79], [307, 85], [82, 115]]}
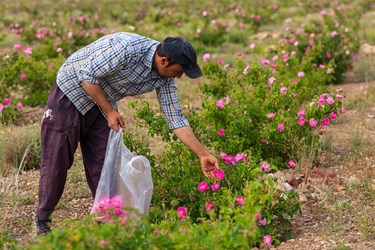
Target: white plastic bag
{"points": [[124, 175]]}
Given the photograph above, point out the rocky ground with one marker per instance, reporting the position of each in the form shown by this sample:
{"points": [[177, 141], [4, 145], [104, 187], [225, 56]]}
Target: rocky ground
{"points": [[338, 198]]}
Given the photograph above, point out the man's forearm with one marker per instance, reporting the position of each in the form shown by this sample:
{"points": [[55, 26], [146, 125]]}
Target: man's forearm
{"points": [[114, 118], [187, 136], [96, 93]]}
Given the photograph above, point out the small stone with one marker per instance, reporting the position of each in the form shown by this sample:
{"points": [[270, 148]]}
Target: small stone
{"points": [[261, 36], [342, 193], [367, 49], [353, 179], [303, 190], [352, 240], [302, 198], [287, 187]]}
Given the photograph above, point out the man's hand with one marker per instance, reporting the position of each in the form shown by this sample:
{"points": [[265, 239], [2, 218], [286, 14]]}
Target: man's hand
{"points": [[113, 116], [115, 120], [209, 165]]}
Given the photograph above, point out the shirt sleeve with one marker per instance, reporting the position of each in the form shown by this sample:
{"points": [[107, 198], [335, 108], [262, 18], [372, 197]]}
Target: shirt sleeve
{"points": [[107, 58], [169, 105]]}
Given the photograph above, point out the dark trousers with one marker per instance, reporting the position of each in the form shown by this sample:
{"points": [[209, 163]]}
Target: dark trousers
{"points": [[63, 127]]}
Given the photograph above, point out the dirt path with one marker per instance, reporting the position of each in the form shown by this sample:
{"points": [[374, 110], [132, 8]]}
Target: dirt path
{"points": [[338, 203]]}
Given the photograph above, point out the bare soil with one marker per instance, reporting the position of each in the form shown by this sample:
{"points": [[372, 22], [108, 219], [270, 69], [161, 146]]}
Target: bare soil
{"points": [[339, 209]]}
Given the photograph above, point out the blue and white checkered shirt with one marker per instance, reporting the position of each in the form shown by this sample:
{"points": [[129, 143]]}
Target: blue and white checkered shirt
{"points": [[121, 64]]}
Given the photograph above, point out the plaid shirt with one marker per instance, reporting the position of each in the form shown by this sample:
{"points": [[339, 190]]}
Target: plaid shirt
{"points": [[121, 64]]}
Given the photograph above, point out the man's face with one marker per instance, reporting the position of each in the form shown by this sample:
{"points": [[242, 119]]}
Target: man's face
{"points": [[165, 70]]}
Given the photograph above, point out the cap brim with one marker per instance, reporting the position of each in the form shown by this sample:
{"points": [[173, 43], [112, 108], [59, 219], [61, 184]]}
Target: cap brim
{"points": [[192, 73]]}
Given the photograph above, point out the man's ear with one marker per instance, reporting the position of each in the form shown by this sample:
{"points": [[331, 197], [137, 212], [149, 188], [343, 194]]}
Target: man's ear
{"points": [[164, 60]]}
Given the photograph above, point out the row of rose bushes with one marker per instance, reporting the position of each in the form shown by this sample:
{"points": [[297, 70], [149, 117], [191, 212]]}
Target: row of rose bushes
{"points": [[31, 65], [213, 23], [266, 106], [9, 112], [227, 221], [258, 117]]}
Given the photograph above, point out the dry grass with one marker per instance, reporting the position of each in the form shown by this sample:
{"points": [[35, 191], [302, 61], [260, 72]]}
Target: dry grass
{"points": [[340, 211], [367, 23], [354, 143], [16, 143]]}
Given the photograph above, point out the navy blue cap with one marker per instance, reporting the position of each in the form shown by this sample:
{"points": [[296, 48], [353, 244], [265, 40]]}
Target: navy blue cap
{"points": [[182, 52]]}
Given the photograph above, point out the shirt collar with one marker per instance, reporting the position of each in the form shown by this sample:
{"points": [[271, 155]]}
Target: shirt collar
{"points": [[150, 56]]}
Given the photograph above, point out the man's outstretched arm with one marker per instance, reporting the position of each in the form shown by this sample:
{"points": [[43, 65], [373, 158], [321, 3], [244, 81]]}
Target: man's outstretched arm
{"points": [[208, 162]]}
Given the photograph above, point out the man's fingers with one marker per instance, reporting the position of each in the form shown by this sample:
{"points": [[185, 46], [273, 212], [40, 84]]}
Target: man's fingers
{"points": [[115, 128], [209, 165], [214, 163], [208, 174], [121, 122]]}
